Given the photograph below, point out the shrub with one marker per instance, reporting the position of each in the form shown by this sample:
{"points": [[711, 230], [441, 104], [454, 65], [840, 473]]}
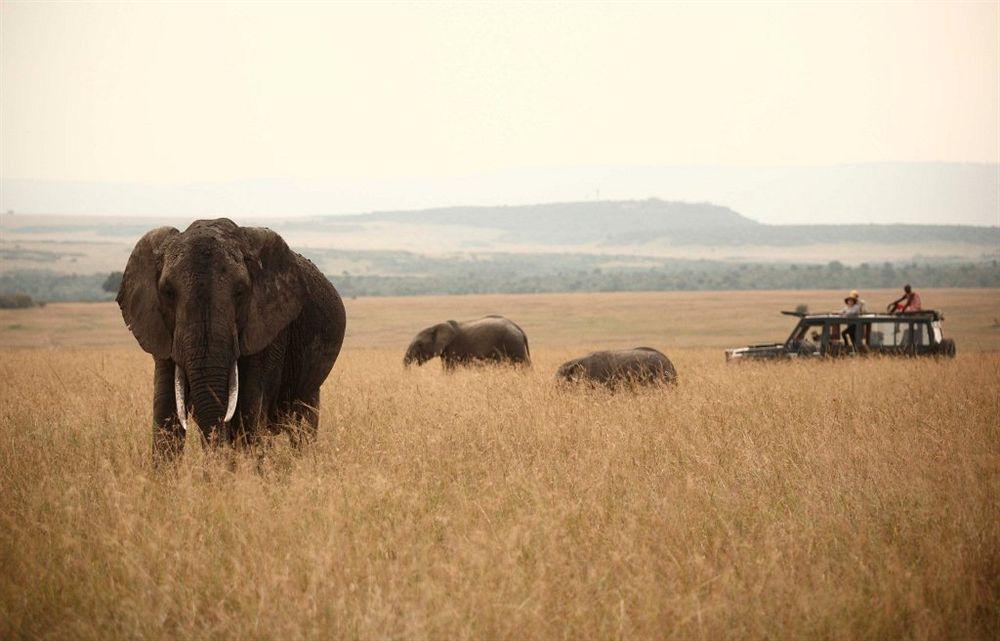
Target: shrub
{"points": [[16, 301]]}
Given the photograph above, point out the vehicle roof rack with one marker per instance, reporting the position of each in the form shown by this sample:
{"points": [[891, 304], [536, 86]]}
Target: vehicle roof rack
{"points": [[931, 314], [936, 314]]}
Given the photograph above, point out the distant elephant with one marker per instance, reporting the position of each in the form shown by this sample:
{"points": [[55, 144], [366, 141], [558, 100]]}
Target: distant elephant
{"points": [[243, 331], [488, 339], [639, 365]]}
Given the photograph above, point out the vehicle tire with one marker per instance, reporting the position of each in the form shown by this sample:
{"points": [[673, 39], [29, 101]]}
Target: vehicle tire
{"points": [[947, 348]]}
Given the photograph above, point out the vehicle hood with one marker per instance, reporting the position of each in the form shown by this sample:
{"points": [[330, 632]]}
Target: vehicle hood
{"points": [[764, 349]]}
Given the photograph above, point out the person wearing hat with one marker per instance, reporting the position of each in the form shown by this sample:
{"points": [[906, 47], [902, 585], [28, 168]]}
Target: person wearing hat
{"points": [[852, 307], [864, 306]]}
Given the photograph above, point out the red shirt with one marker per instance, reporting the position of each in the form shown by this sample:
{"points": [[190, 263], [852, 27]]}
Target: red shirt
{"points": [[913, 303]]}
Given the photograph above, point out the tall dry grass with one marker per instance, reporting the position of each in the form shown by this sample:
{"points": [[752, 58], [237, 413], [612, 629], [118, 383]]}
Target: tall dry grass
{"points": [[841, 500]]}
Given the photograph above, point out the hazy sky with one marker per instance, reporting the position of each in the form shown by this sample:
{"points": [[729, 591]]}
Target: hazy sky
{"points": [[191, 92]]}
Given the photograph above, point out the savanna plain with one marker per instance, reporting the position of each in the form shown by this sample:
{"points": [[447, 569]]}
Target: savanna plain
{"points": [[850, 499]]}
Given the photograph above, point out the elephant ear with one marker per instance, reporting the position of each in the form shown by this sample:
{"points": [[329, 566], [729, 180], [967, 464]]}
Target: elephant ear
{"points": [[276, 289], [444, 334], [138, 295]]}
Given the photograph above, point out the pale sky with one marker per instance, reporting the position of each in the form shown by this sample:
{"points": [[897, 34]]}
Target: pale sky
{"points": [[163, 92]]}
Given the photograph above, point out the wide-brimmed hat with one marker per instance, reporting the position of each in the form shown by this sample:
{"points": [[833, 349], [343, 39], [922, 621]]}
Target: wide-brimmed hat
{"points": [[854, 298], [854, 294]]}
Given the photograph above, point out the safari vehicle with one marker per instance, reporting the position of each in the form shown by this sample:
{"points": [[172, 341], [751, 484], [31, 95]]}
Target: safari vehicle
{"points": [[906, 334]]}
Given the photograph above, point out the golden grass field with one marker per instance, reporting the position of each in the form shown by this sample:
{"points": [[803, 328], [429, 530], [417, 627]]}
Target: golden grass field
{"points": [[838, 499]]}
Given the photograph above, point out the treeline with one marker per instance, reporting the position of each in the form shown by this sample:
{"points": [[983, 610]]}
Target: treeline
{"points": [[480, 278], [403, 274], [48, 286]]}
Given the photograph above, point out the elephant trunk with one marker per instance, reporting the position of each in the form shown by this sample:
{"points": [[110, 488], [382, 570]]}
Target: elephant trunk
{"points": [[213, 391]]}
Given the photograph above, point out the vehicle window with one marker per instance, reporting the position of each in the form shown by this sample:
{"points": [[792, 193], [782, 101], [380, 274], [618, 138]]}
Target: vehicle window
{"points": [[806, 332], [937, 332], [887, 334], [805, 339], [913, 334]]}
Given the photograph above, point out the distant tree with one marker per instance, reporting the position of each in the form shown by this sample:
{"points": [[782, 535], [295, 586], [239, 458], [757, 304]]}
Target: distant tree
{"points": [[801, 308], [16, 301], [113, 282]]}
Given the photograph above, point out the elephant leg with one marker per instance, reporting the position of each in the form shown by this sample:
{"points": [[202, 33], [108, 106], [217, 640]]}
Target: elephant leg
{"points": [[261, 380], [249, 423], [451, 362], [168, 434], [304, 419], [251, 417]]}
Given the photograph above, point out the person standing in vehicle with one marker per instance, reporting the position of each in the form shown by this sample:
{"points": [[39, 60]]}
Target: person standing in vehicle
{"points": [[908, 302], [863, 305], [851, 308]]}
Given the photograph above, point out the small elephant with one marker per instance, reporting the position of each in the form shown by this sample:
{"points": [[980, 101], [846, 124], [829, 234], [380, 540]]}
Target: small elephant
{"points": [[242, 330], [488, 339], [639, 365]]}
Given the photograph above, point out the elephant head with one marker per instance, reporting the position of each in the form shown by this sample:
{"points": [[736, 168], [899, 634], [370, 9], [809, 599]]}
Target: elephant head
{"points": [[571, 371], [205, 297], [430, 343]]}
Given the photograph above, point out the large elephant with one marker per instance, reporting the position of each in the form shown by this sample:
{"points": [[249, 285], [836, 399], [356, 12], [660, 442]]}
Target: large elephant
{"points": [[488, 339], [639, 365], [243, 331]]}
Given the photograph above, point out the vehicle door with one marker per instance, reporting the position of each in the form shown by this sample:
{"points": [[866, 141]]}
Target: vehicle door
{"points": [[801, 342], [835, 329]]}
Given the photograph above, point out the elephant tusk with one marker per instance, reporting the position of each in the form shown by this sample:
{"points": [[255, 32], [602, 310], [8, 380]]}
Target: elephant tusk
{"points": [[180, 382], [234, 392]]}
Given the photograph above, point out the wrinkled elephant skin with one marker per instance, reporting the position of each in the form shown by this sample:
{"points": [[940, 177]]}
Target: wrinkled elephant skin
{"points": [[491, 339], [242, 330], [636, 366]]}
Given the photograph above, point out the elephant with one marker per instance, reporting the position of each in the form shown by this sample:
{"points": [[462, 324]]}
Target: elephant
{"points": [[639, 365], [242, 330], [488, 339]]}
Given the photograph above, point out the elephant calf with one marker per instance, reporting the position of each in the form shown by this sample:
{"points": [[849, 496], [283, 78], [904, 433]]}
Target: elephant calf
{"points": [[639, 365], [488, 339]]}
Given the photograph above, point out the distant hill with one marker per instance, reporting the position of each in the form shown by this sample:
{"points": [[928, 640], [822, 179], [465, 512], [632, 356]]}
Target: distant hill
{"points": [[919, 193], [628, 245], [651, 228], [636, 222], [609, 222]]}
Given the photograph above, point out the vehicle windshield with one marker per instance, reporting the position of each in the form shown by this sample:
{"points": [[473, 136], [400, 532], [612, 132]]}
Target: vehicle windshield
{"points": [[806, 331]]}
